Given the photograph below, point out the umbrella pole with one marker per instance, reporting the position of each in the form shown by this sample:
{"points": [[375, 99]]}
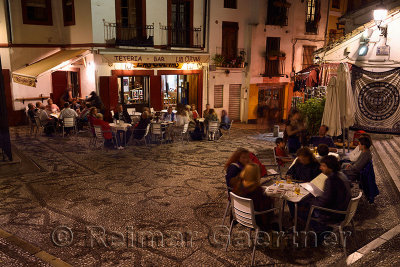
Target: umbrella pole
{"points": [[344, 142], [348, 140]]}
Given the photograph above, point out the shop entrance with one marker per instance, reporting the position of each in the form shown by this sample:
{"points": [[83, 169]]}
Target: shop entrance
{"points": [[179, 89], [134, 91]]}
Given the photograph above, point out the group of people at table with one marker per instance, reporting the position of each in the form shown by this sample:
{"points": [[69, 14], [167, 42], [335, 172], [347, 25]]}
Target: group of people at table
{"points": [[244, 172], [88, 112]]}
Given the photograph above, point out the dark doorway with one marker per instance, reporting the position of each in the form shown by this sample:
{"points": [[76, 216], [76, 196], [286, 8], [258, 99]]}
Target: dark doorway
{"points": [[272, 60], [61, 81], [181, 23], [229, 40]]}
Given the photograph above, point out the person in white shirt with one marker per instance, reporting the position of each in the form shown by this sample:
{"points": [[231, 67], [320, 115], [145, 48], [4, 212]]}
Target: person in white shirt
{"points": [[68, 112], [47, 122]]}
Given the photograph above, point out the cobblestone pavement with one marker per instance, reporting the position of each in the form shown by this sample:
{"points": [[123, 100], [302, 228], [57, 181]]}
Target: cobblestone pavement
{"points": [[175, 191]]}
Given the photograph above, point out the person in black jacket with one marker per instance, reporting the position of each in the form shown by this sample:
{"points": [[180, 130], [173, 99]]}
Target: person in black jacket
{"points": [[140, 130], [336, 196], [306, 167], [235, 164]]}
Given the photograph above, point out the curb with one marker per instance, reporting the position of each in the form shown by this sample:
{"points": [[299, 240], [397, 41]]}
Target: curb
{"points": [[373, 245], [33, 250]]}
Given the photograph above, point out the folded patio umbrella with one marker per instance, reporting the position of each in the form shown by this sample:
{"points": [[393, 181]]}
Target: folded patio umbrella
{"points": [[331, 117], [345, 96]]}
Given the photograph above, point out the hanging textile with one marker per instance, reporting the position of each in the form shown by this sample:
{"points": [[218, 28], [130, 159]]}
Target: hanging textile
{"points": [[376, 95]]}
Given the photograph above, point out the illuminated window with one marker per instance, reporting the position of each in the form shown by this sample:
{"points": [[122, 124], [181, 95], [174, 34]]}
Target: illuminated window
{"points": [[313, 16]]}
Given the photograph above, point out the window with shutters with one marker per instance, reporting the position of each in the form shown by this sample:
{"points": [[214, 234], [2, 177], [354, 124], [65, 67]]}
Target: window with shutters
{"points": [[308, 55], [313, 16], [37, 12], [230, 4], [218, 96], [68, 12]]}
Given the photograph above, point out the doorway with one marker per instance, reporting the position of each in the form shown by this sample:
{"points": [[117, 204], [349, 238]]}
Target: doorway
{"points": [[61, 81], [179, 89]]}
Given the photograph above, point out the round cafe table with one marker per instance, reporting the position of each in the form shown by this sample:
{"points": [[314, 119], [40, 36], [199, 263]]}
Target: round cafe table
{"points": [[120, 127], [285, 191]]}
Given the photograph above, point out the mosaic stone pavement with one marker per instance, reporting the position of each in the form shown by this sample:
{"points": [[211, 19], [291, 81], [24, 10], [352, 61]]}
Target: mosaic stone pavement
{"points": [[115, 201]]}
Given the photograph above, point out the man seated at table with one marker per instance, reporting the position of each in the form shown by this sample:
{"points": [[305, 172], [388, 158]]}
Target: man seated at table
{"points": [[306, 166], [122, 115], [206, 111], [323, 150], [46, 121], [107, 132], [169, 116], [336, 195], [38, 105], [68, 112], [31, 112], [322, 138], [353, 169], [140, 129], [51, 107]]}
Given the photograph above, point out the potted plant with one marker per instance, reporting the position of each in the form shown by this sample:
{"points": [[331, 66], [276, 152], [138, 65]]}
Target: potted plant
{"points": [[218, 60], [313, 110]]}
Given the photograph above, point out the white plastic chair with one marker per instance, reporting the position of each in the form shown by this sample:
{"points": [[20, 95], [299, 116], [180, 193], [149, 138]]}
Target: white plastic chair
{"points": [[144, 138], [38, 125], [156, 131], [131, 111], [99, 135], [69, 123], [350, 212], [243, 212], [184, 134], [213, 129]]}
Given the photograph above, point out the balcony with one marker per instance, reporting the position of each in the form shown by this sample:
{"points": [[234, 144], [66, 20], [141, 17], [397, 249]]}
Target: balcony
{"points": [[274, 66], [238, 60], [172, 36], [129, 35], [312, 27]]}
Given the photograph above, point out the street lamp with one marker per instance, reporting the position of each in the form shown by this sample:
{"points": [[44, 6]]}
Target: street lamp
{"points": [[380, 13]]}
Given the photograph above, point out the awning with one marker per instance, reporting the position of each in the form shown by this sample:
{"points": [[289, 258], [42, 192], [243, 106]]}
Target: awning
{"points": [[28, 75]]}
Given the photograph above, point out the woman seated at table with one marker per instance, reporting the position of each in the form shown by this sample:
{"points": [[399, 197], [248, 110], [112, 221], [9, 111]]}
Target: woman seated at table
{"points": [[225, 121], [235, 164], [353, 170], [122, 114], [306, 167], [248, 185], [51, 107], [323, 150], [140, 129]]}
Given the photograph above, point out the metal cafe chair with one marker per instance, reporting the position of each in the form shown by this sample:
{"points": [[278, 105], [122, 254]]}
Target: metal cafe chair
{"points": [[145, 136], [350, 212], [156, 131], [184, 134], [39, 127], [69, 123], [99, 136], [213, 129], [243, 212]]}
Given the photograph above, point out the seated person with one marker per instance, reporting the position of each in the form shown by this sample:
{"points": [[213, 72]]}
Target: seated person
{"points": [[140, 130], [169, 116], [323, 150], [68, 112], [206, 111], [336, 195], [75, 105], [122, 115], [212, 116], [306, 166], [195, 114], [225, 121], [281, 156], [235, 164], [322, 138], [31, 112], [355, 153], [248, 185], [51, 107], [38, 105], [46, 121], [107, 132], [353, 169]]}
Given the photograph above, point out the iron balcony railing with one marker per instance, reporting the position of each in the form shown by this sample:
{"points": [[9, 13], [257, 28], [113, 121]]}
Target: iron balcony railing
{"points": [[129, 35], [274, 67], [181, 37]]}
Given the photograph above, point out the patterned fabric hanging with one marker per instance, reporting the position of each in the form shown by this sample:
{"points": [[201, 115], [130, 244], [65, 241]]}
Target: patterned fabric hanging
{"points": [[376, 95]]}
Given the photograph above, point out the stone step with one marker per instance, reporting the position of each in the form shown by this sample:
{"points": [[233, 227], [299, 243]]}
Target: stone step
{"points": [[389, 152]]}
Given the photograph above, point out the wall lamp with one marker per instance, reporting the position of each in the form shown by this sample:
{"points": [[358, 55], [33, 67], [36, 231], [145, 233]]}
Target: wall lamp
{"points": [[380, 14]]}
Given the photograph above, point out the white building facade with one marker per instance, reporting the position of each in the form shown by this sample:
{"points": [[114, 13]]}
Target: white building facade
{"points": [[137, 52]]}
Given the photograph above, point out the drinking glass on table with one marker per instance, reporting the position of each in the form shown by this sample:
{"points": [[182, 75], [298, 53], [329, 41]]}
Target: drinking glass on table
{"points": [[289, 179], [278, 180], [297, 189]]}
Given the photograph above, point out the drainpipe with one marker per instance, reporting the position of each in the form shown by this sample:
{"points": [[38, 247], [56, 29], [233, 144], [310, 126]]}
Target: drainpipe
{"points": [[9, 22], [327, 20], [207, 18]]}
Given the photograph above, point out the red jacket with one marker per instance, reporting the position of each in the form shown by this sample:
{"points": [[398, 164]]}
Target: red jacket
{"points": [[254, 159], [105, 127], [280, 153]]}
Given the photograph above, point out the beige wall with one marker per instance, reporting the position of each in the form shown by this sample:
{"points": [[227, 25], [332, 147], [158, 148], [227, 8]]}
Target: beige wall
{"points": [[56, 33]]}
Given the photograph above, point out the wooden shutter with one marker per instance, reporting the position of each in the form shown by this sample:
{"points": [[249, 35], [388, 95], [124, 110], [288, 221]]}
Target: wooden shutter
{"points": [[218, 96], [234, 101]]}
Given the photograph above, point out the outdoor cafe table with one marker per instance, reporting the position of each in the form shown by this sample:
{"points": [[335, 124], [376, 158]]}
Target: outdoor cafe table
{"points": [[285, 190], [120, 127]]}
